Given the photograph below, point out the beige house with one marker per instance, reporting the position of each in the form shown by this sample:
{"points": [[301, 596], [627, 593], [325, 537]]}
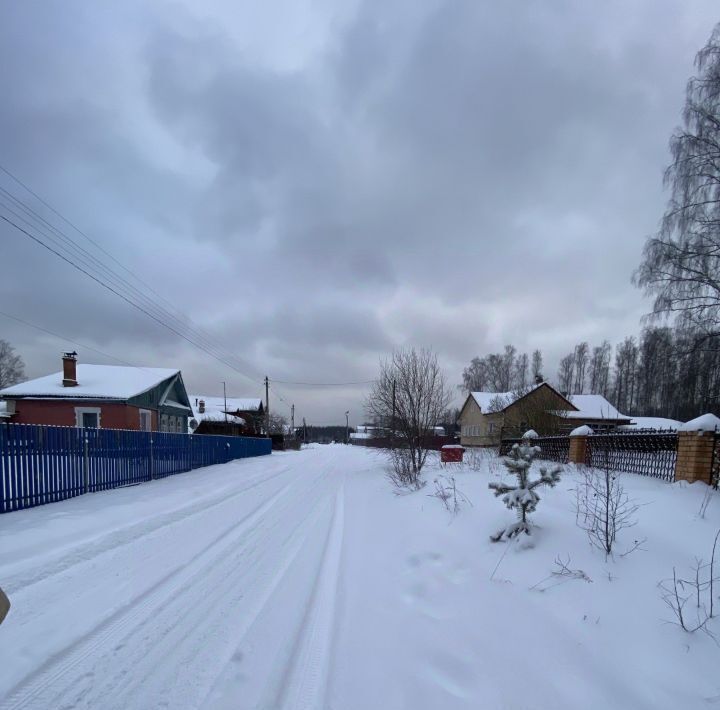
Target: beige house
{"points": [[488, 417]]}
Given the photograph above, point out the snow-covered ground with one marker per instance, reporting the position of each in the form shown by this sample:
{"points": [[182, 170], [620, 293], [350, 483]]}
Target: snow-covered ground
{"points": [[301, 581]]}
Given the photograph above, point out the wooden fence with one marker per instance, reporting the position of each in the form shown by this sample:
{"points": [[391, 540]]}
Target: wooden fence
{"points": [[45, 464]]}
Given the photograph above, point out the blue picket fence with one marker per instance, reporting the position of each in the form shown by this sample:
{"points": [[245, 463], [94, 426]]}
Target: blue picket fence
{"points": [[45, 464]]}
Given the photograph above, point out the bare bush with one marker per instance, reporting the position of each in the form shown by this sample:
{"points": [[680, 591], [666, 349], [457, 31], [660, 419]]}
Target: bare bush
{"points": [[401, 472], [603, 509], [562, 573], [447, 491], [480, 459], [698, 588]]}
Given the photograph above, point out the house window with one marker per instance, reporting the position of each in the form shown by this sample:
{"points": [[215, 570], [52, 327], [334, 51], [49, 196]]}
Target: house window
{"points": [[491, 428], [87, 417], [145, 420], [164, 423]]}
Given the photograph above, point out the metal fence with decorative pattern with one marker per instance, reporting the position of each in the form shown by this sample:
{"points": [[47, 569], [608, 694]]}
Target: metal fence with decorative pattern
{"points": [[646, 453], [715, 468], [552, 448]]}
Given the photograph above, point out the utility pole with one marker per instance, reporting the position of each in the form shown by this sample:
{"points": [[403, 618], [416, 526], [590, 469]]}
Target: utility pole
{"points": [[267, 406], [347, 427], [292, 420], [225, 400]]}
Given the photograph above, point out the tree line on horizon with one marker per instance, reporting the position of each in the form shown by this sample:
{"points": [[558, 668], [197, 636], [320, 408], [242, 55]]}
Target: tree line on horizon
{"points": [[671, 372]]}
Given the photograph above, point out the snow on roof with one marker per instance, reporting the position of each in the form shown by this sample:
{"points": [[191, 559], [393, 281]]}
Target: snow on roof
{"points": [[705, 422], [216, 405], [484, 400], [652, 423], [177, 405], [592, 406], [94, 382]]}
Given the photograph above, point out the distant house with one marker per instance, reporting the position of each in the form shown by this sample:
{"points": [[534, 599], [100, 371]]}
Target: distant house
{"points": [[488, 417], [101, 396], [234, 415], [593, 410]]}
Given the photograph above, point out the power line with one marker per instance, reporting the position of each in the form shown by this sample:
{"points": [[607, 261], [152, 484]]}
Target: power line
{"points": [[148, 306], [69, 340], [78, 230], [95, 269], [120, 295], [92, 263]]}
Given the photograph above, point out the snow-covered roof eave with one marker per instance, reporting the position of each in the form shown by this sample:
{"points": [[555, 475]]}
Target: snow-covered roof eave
{"points": [[112, 383]]}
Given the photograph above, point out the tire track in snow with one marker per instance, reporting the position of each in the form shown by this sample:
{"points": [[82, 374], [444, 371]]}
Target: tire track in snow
{"points": [[127, 535], [41, 685], [211, 622], [305, 682]]}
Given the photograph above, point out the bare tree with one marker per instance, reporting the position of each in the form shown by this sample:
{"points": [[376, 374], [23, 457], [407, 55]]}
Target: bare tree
{"points": [[581, 357], [681, 263], [626, 371], [537, 365], [566, 373], [413, 388], [475, 376], [12, 367], [278, 423], [520, 377], [600, 369]]}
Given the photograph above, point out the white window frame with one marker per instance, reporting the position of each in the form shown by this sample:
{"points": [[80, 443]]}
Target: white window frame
{"points": [[79, 411], [164, 423], [149, 416], [491, 428]]}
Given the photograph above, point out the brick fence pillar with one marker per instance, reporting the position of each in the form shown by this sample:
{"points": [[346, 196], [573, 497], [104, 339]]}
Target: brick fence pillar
{"points": [[578, 444], [696, 444]]}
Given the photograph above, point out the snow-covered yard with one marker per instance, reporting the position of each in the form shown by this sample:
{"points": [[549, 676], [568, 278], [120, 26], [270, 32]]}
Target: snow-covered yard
{"points": [[301, 581]]}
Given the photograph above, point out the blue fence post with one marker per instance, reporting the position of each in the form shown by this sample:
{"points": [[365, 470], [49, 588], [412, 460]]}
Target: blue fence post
{"points": [[86, 462]]}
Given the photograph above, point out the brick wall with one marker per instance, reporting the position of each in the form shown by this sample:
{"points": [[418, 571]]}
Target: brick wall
{"points": [[695, 456], [113, 415]]}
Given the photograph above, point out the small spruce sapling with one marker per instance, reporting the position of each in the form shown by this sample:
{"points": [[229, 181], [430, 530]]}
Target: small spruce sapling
{"points": [[522, 498]]}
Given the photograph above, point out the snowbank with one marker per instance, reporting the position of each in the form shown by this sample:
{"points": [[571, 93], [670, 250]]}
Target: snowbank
{"points": [[583, 430]]}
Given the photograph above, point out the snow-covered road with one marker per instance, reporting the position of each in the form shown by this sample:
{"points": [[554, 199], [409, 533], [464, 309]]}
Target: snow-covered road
{"points": [[172, 593], [301, 581]]}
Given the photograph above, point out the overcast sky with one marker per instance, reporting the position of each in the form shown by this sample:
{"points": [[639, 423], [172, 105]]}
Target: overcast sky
{"points": [[315, 183]]}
